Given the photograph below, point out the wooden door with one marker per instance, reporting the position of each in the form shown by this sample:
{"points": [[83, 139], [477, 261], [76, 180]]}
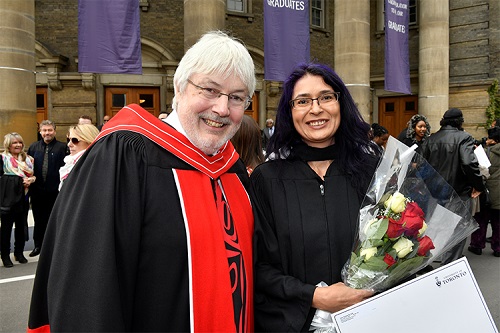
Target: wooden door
{"points": [[41, 104], [118, 97], [394, 112], [253, 108]]}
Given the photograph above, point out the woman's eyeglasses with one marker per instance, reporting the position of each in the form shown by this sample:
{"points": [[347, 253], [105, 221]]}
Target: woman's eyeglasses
{"points": [[307, 102], [74, 141]]}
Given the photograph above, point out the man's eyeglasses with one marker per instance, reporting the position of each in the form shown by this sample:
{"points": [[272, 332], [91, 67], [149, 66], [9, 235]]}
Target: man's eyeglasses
{"points": [[234, 101], [74, 141], [307, 102]]}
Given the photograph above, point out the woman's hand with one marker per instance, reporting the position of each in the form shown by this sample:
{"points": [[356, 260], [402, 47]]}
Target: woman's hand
{"points": [[338, 296], [28, 181]]}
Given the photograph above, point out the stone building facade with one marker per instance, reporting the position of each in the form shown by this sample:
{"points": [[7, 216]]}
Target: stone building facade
{"points": [[454, 58]]}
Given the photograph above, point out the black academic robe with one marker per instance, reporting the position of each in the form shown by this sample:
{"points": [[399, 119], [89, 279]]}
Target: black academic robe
{"points": [[304, 233], [117, 256]]}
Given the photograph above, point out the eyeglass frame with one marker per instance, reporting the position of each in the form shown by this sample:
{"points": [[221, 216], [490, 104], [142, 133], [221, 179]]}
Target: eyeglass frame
{"points": [[246, 102], [335, 93]]}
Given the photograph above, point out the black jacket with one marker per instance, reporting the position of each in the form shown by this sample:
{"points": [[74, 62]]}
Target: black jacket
{"points": [[57, 152], [451, 152], [11, 191]]}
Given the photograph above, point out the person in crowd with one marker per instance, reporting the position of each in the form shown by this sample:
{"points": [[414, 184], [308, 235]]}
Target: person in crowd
{"points": [[267, 132], [154, 230], [85, 119], [162, 115], [105, 119], [306, 200], [49, 158], [16, 175], [490, 200], [247, 142], [417, 131], [450, 151], [380, 135], [482, 142], [79, 139]]}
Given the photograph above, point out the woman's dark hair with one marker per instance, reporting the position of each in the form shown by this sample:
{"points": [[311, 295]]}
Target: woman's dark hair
{"points": [[412, 124], [352, 135], [379, 130], [248, 142]]}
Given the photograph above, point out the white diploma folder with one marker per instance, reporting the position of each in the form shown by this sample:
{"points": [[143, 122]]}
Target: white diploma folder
{"points": [[446, 299]]}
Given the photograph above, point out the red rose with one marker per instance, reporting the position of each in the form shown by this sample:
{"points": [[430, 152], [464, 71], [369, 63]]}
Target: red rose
{"points": [[389, 260], [425, 245], [412, 218], [395, 228]]}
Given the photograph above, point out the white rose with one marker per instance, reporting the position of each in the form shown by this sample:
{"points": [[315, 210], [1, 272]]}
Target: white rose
{"points": [[422, 230], [396, 203], [368, 252], [403, 246]]}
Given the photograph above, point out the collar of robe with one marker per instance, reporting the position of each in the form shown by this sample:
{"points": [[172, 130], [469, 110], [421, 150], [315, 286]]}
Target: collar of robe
{"points": [[135, 119], [308, 153]]}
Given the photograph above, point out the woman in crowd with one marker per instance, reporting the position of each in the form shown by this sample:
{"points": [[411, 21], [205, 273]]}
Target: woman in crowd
{"points": [[418, 130], [306, 200], [380, 136], [16, 171], [490, 211], [248, 143], [79, 138]]}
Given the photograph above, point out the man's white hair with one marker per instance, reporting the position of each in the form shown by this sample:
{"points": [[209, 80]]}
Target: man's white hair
{"points": [[215, 53]]}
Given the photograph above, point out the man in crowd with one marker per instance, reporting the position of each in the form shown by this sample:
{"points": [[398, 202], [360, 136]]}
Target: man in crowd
{"points": [[451, 152], [49, 157], [84, 120], [105, 119], [267, 132], [153, 231]]}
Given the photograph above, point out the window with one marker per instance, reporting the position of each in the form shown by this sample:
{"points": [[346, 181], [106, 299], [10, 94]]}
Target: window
{"points": [[41, 104], [237, 6], [318, 13], [413, 12]]}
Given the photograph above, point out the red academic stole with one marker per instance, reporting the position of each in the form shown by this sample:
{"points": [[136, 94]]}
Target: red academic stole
{"points": [[211, 289]]}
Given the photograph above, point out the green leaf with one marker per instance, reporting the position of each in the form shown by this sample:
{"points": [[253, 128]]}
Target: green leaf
{"points": [[377, 229], [401, 270], [376, 264], [372, 243]]}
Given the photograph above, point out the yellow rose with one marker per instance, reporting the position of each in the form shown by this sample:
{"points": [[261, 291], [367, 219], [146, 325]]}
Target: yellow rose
{"points": [[368, 253], [422, 230], [403, 246], [396, 203]]}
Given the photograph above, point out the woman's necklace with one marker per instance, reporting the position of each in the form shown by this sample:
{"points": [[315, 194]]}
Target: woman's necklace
{"points": [[320, 167]]}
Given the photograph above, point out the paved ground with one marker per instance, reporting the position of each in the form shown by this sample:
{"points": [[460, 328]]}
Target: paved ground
{"points": [[16, 284]]}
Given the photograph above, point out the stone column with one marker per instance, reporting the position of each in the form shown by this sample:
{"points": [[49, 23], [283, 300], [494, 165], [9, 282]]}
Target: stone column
{"points": [[434, 55], [352, 50], [17, 69], [201, 16]]}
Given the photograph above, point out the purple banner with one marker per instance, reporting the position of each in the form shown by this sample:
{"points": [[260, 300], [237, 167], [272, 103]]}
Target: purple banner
{"points": [[397, 63], [286, 37], [109, 38]]}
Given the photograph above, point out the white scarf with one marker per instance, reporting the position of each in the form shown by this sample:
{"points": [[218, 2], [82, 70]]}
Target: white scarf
{"points": [[70, 161]]}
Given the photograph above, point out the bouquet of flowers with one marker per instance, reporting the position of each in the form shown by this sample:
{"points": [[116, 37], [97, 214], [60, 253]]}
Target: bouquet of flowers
{"points": [[409, 217]]}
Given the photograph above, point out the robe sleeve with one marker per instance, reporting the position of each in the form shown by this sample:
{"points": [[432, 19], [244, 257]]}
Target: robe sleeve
{"points": [[282, 302], [87, 268]]}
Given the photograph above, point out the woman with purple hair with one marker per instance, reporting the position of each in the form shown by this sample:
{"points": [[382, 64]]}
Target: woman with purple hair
{"points": [[306, 200]]}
